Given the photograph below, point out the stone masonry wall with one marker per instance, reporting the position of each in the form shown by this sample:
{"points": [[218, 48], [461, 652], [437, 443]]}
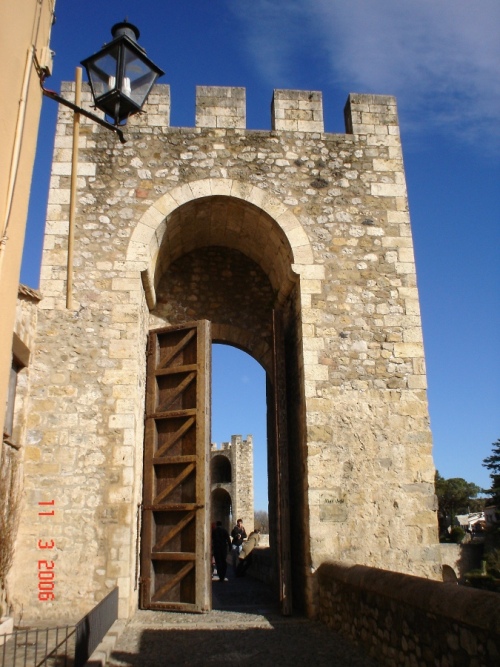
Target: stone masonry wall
{"points": [[243, 485], [323, 214], [405, 620], [219, 285]]}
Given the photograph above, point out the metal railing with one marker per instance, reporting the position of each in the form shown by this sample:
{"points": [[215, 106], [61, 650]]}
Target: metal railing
{"points": [[66, 646], [92, 627], [54, 647]]}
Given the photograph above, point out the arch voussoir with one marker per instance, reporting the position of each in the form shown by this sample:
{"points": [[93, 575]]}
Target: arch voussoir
{"points": [[152, 224]]}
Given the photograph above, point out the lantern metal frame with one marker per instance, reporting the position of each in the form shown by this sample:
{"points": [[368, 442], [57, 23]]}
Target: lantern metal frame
{"points": [[121, 75]]}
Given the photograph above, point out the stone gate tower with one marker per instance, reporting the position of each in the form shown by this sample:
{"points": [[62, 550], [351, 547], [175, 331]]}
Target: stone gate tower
{"points": [[231, 477], [292, 244]]}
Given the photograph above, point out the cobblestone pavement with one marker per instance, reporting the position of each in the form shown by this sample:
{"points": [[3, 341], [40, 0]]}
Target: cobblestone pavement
{"points": [[244, 628]]}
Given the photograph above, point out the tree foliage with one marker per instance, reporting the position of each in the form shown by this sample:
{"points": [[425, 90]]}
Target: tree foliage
{"points": [[493, 464], [261, 521], [454, 497], [491, 552]]}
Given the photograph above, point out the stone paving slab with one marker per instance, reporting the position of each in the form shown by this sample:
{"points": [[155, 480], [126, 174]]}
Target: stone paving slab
{"points": [[220, 640], [245, 628]]}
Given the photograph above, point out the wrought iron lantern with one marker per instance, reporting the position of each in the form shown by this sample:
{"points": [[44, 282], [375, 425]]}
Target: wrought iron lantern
{"points": [[120, 74]]}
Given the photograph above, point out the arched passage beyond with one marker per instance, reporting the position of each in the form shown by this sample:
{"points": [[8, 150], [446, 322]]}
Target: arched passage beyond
{"points": [[221, 508], [220, 470], [226, 260]]}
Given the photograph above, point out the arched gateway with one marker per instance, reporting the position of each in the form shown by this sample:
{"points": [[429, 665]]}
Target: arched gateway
{"points": [[291, 244]]}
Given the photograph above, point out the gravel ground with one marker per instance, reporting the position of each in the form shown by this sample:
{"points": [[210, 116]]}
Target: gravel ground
{"points": [[244, 628]]}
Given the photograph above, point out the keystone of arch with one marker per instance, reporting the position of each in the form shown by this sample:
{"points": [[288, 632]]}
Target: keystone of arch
{"points": [[147, 237]]}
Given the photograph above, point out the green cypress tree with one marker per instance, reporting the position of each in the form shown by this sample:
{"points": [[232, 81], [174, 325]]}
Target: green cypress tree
{"points": [[492, 536], [493, 464]]}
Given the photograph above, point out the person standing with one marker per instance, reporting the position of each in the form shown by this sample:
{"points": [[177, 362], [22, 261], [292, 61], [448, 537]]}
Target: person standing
{"points": [[238, 534], [221, 543]]}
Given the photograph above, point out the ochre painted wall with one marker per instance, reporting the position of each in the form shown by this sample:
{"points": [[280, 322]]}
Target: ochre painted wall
{"points": [[24, 33]]}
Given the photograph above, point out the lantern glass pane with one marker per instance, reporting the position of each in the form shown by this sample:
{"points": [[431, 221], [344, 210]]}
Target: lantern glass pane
{"points": [[102, 73], [138, 78]]}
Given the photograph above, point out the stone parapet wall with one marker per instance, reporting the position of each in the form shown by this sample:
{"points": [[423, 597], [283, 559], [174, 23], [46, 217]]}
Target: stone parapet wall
{"points": [[262, 566], [406, 620]]}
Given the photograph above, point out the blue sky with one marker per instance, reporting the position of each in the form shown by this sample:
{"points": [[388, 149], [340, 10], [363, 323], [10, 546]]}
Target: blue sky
{"points": [[442, 61]]}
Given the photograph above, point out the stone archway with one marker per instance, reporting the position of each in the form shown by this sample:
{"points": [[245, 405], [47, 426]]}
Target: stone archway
{"points": [[222, 258], [275, 220]]}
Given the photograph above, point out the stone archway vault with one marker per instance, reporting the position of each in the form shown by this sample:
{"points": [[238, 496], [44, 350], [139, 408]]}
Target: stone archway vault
{"points": [[148, 236]]}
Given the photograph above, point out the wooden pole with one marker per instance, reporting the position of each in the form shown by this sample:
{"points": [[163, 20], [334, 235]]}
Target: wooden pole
{"points": [[72, 199]]}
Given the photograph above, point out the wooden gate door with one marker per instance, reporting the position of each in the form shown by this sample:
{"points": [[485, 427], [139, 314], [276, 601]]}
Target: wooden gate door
{"points": [[175, 542], [281, 466]]}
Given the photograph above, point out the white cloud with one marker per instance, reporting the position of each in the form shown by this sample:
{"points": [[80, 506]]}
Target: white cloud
{"points": [[271, 29], [441, 58]]}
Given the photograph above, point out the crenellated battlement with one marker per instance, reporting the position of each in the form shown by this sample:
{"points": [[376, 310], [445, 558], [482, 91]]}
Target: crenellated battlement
{"points": [[236, 441], [297, 111], [224, 107], [221, 107]]}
